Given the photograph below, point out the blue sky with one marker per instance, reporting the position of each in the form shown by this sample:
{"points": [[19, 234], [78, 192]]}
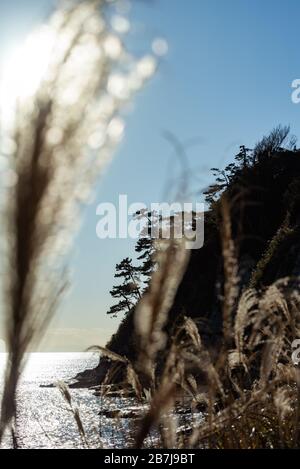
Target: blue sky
{"points": [[226, 81]]}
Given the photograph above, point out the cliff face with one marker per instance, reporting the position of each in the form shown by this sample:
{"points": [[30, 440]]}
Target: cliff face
{"points": [[264, 198]]}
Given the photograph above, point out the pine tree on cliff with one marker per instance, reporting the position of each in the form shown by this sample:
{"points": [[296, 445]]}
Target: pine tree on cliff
{"points": [[145, 246], [277, 141], [135, 279], [128, 292]]}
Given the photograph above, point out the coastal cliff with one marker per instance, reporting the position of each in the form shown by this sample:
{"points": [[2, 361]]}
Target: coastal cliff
{"points": [[263, 190]]}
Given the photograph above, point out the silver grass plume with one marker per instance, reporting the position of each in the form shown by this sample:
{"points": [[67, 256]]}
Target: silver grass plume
{"points": [[151, 313], [57, 135], [231, 277], [131, 375]]}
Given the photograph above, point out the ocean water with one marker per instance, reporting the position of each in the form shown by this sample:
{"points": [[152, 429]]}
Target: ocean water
{"points": [[44, 419]]}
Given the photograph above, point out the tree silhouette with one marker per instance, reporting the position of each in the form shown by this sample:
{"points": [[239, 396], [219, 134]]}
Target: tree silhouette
{"points": [[128, 291], [244, 157], [276, 141], [135, 279], [146, 245], [224, 178]]}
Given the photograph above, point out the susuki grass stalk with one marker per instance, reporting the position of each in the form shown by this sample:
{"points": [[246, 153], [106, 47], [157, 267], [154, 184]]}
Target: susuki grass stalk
{"points": [[152, 311], [252, 388], [61, 135], [65, 392], [131, 375], [231, 279]]}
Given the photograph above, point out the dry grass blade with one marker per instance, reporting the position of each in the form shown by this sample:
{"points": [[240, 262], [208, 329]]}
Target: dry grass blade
{"points": [[132, 376], [63, 388], [152, 311], [161, 403], [168, 431], [231, 278], [191, 329], [134, 381], [150, 318], [108, 353], [62, 135], [247, 309], [61, 385]]}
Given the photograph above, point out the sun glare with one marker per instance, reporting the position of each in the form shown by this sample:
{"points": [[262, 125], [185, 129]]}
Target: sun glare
{"points": [[23, 70]]}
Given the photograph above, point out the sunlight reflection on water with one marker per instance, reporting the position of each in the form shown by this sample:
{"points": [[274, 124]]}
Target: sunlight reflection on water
{"points": [[43, 418]]}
